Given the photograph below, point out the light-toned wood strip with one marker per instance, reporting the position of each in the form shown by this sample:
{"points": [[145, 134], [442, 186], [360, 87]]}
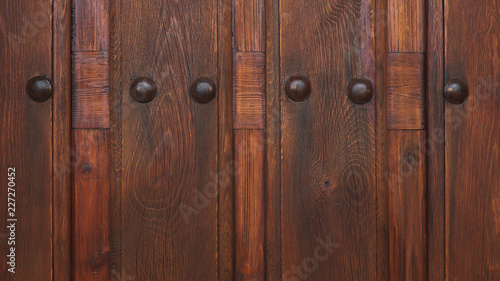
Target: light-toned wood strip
{"points": [[90, 90], [407, 205], [249, 25], [406, 26], [405, 91], [91, 225], [249, 88], [91, 18], [249, 204]]}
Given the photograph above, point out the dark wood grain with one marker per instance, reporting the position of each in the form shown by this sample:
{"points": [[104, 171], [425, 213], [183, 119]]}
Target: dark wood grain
{"points": [[406, 154], [249, 84], [406, 26], [91, 21], [61, 171], [328, 143], [169, 146], [405, 91], [26, 138], [91, 221], [249, 25], [435, 144], [249, 204], [472, 142], [90, 89]]}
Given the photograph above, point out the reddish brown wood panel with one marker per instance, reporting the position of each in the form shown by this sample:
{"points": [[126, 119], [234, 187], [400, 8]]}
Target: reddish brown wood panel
{"points": [[405, 91], [249, 86], [91, 221], [328, 168], [249, 204], [473, 141], [406, 154], [25, 142], [91, 21], [90, 89], [406, 27], [166, 151], [249, 25]]}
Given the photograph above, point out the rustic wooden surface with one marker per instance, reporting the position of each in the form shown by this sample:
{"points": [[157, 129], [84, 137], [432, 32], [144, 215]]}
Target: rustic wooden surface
{"points": [[91, 23], [407, 204], [26, 138], [166, 151], [328, 143], [91, 223], [249, 25], [472, 142], [406, 26], [405, 91]]}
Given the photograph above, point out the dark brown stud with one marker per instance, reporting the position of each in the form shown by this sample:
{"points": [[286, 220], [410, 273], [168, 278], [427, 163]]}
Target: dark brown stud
{"points": [[360, 91], [143, 90], [39, 88], [203, 90], [456, 91], [298, 88]]}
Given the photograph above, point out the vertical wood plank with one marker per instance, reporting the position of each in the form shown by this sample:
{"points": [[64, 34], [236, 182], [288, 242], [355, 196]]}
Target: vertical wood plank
{"points": [[91, 223], [328, 144], [26, 139], [91, 25], [406, 26], [249, 25], [407, 204], [166, 219], [249, 202], [61, 172], [473, 141]]}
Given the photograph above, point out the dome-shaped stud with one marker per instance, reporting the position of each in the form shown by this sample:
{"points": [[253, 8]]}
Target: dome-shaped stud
{"points": [[360, 91], [203, 90], [298, 88], [143, 90], [456, 91], [39, 88]]}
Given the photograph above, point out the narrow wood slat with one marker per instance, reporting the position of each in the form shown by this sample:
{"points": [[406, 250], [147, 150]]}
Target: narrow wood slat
{"points": [[407, 205], [249, 203], [91, 19], [406, 27], [90, 90], [249, 25], [249, 88], [405, 91], [91, 224]]}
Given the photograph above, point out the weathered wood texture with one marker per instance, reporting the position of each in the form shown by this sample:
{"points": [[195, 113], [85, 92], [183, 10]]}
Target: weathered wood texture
{"points": [[91, 221], [249, 25], [90, 89], [249, 204], [473, 141], [26, 139], [406, 154], [166, 151], [328, 187], [405, 91], [406, 26], [91, 22], [249, 86]]}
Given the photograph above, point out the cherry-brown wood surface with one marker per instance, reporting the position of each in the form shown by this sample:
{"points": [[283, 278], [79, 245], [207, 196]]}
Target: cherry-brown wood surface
{"points": [[25, 140], [328, 214], [165, 152], [472, 143]]}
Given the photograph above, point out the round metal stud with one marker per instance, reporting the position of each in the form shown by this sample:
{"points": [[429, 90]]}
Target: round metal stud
{"points": [[298, 88], [360, 91], [456, 91], [143, 89], [203, 90], [39, 88]]}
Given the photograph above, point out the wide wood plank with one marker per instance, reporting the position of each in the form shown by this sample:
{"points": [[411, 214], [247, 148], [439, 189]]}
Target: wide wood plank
{"points": [[166, 211], [406, 154], [473, 142], [91, 220], [25, 140], [328, 186]]}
